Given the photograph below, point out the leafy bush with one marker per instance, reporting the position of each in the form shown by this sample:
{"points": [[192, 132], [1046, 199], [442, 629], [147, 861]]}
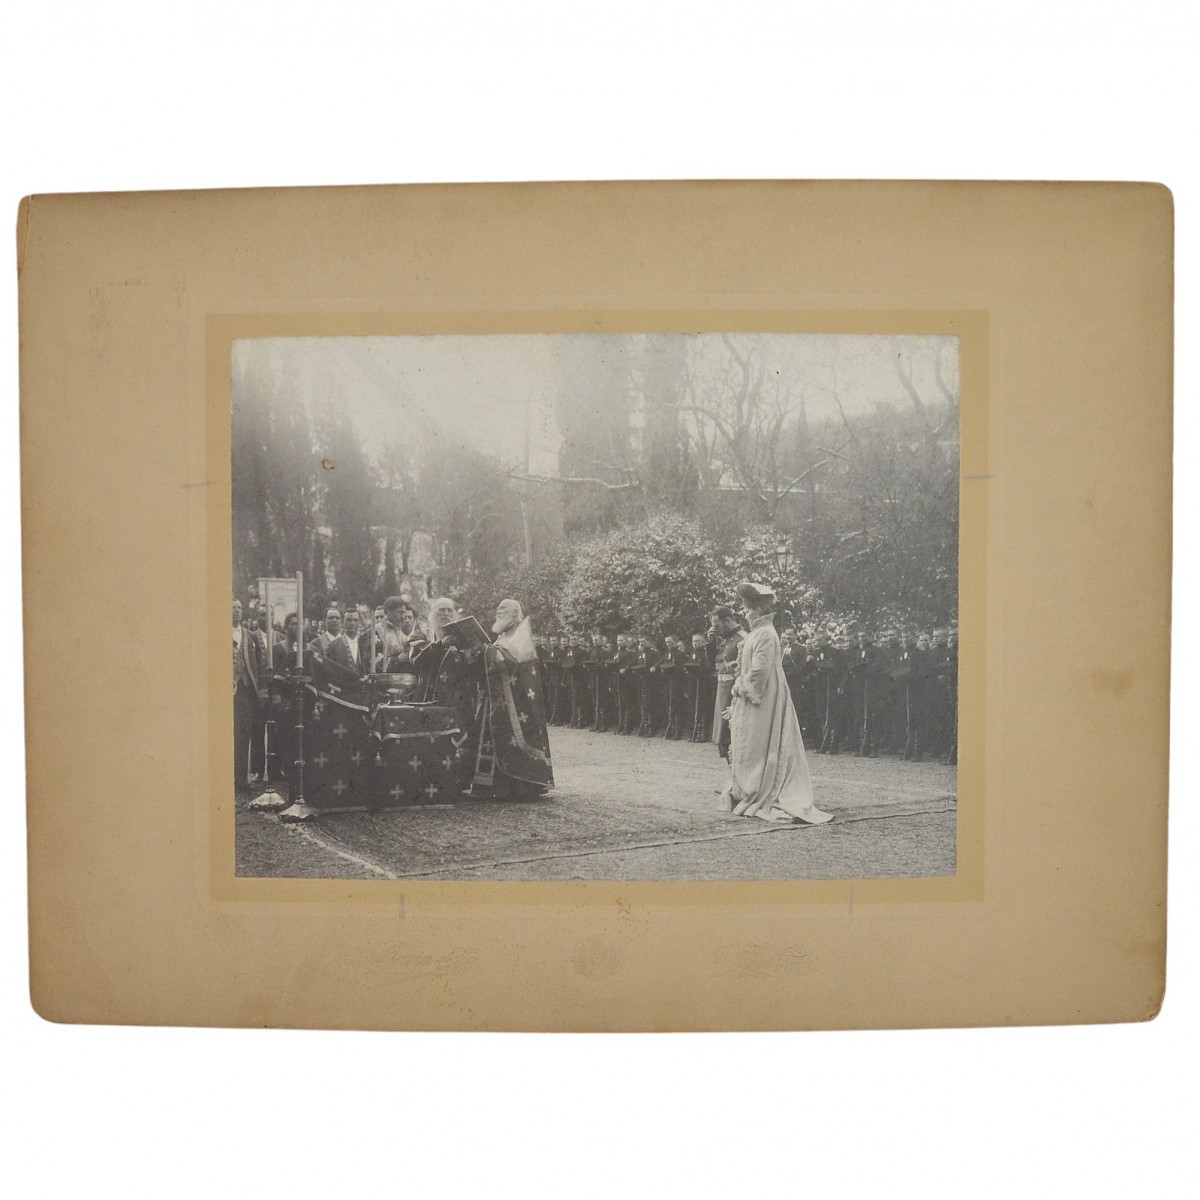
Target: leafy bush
{"points": [[659, 576], [752, 558]]}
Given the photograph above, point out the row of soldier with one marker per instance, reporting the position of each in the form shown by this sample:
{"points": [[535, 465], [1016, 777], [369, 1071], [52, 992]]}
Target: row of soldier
{"points": [[895, 694], [892, 694]]}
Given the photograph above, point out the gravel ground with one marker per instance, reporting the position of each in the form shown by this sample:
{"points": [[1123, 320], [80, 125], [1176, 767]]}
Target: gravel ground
{"points": [[630, 808], [877, 847]]}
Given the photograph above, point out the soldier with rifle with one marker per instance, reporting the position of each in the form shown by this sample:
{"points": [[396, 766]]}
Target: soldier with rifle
{"points": [[674, 685], [701, 672], [552, 678], [649, 690], [574, 675], [627, 685], [596, 667]]}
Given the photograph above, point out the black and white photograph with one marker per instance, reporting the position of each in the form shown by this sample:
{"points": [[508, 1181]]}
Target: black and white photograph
{"points": [[646, 606]]}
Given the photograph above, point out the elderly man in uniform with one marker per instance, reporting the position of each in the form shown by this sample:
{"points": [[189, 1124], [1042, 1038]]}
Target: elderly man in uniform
{"points": [[702, 685], [727, 635]]}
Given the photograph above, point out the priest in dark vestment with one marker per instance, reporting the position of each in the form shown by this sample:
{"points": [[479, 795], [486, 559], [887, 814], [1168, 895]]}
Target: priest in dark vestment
{"points": [[513, 718], [449, 667]]}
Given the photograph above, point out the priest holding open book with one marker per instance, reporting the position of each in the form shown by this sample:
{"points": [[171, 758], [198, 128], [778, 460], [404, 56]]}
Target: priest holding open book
{"points": [[493, 683], [513, 720]]}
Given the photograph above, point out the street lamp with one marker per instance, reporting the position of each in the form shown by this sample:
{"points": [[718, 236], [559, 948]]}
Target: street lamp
{"points": [[784, 559]]}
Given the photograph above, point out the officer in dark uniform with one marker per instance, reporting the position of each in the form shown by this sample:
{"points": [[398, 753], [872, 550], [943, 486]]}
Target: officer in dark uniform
{"points": [[727, 634], [597, 675], [627, 684], [576, 681], [649, 689], [793, 668], [702, 679], [674, 687], [825, 665], [889, 733], [810, 709], [908, 676], [542, 646], [612, 681], [839, 731], [552, 679], [928, 693], [864, 688], [566, 700]]}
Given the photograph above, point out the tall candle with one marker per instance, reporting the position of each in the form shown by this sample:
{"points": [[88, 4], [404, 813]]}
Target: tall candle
{"points": [[300, 620]]}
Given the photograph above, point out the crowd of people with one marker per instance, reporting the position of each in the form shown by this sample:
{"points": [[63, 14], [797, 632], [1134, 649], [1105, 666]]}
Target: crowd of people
{"points": [[893, 691], [863, 693], [488, 679]]}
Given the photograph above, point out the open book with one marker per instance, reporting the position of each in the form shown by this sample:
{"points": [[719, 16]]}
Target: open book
{"points": [[467, 631]]}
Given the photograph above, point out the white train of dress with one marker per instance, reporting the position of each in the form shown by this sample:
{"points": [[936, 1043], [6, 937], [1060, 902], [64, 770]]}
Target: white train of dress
{"points": [[768, 767]]}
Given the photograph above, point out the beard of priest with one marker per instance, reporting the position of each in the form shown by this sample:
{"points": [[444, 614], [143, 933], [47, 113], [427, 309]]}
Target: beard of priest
{"points": [[508, 617], [441, 612], [514, 716]]}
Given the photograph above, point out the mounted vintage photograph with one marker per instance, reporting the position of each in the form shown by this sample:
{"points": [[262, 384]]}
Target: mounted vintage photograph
{"points": [[655, 606]]}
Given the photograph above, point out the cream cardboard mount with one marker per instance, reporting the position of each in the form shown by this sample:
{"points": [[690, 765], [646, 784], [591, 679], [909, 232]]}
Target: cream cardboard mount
{"points": [[1061, 296]]}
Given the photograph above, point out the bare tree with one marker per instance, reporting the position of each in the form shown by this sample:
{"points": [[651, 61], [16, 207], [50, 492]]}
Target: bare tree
{"points": [[936, 421], [737, 404]]}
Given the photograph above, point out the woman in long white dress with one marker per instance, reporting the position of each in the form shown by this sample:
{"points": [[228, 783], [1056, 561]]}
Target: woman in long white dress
{"points": [[768, 775]]}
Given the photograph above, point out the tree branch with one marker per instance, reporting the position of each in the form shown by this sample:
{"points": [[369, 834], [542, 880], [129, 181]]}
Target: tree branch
{"points": [[834, 453], [572, 480], [801, 477], [741, 362], [907, 383], [951, 397]]}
